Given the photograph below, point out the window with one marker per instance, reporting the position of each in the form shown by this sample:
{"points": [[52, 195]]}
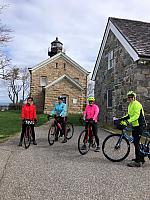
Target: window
{"points": [[64, 66], [56, 65], [110, 60], [43, 81], [109, 98]]}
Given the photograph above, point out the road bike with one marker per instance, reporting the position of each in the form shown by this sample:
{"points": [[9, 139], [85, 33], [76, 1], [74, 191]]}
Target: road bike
{"points": [[28, 133], [55, 130], [116, 147], [86, 139]]}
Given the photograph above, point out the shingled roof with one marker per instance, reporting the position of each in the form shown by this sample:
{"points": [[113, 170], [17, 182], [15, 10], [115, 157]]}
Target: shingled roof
{"points": [[137, 33], [133, 35]]}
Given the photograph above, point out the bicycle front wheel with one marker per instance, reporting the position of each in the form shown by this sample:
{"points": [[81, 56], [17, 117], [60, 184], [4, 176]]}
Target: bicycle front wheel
{"points": [[83, 143], [51, 135], [27, 137], [116, 148], [70, 130]]}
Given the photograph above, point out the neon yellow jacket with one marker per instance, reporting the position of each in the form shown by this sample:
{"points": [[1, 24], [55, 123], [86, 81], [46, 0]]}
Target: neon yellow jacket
{"points": [[135, 113]]}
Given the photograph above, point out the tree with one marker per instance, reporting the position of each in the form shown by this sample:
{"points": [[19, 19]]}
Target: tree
{"points": [[25, 82], [13, 77], [4, 39]]}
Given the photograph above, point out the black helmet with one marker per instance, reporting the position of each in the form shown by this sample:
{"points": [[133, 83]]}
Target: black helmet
{"points": [[30, 98], [60, 97]]}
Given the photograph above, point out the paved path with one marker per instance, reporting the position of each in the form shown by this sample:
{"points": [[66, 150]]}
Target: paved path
{"points": [[59, 172]]}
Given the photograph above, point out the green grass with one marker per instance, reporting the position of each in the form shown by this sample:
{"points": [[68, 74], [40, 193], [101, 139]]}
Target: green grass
{"points": [[10, 123]]}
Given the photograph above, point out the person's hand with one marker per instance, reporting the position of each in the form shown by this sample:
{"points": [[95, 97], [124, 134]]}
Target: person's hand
{"points": [[35, 120], [23, 120]]}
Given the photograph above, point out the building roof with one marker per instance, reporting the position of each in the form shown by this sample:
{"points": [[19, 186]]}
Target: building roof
{"points": [[53, 58], [67, 78], [137, 33], [133, 35]]}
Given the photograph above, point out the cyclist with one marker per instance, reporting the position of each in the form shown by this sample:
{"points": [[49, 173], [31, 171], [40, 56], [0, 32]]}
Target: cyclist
{"points": [[60, 110], [91, 113], [28, 113], [135, 117]]}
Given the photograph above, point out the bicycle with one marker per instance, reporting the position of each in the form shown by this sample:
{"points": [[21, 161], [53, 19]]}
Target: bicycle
{"points": [[56, 128], [116, 147], [28, 133], [86, 139]]}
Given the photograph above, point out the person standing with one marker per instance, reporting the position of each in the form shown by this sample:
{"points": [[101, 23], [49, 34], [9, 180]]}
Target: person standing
{"points": [[28, 113], [135, 117], [60, 111], [91, 113]]}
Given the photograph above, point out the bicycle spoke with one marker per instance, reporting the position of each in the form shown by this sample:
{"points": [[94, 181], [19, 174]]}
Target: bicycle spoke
{"points": [[115, 149]]}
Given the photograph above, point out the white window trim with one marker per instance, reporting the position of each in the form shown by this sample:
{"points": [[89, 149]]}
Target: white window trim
{"points": [[110, 59]]}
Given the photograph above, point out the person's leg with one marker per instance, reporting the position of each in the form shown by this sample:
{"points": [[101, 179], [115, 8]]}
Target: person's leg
{"points": [[33, 134], [136, 137], [22, 134], [138, 158], [63, 124], [94, 126]]}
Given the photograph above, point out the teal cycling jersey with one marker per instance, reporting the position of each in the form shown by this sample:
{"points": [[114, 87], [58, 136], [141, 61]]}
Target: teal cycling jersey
{"points": [[60, 109]]}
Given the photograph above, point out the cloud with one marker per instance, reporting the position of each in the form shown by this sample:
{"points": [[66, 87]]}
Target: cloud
{"points": [[79, 25]]}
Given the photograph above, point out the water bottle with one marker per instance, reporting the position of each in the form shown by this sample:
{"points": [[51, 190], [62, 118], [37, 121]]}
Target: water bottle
{"points": [[59, 126]]}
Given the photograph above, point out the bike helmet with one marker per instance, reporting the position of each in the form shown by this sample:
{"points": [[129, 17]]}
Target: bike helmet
{"points": [[131, 94], [91, 98], [60, 97], [30, 98]]}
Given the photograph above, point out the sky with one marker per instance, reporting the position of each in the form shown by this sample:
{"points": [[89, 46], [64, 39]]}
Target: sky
{"points": [[78, 24]]}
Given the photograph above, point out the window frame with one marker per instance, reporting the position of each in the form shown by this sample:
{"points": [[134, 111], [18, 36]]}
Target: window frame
{"points": [[41, 81], [110, 60]]}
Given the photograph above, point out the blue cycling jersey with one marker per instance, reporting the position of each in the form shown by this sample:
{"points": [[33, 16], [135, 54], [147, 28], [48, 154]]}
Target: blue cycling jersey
{"points": [[60, 109]]}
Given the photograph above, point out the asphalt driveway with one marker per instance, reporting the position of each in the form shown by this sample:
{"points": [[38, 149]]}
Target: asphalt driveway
{"points": [[59, 172]]}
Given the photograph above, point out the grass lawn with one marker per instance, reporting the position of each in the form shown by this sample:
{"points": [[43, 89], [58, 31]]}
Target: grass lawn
{"points": [[10, 123]]}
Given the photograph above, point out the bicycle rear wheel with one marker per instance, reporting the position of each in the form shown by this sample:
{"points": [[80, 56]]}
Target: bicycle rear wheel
{"points": [[115, 148], [27, 137], [83, 143], [51, 135], [70, 130]]}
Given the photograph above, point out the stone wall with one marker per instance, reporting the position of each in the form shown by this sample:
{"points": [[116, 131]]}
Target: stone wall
{"points": [[68, 90], [53, 72], [124, 76]]}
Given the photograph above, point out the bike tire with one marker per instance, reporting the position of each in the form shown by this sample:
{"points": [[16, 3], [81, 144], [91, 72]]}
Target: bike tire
{"points": [[70, 130], [115, 153], [27, 137], [81, 142], [51, 135]]}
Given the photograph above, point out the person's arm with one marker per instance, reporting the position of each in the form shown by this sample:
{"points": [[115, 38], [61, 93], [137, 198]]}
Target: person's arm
{"points": [[54, 111], [137, 109], [96, 113], [64, 111], [85, 112]]}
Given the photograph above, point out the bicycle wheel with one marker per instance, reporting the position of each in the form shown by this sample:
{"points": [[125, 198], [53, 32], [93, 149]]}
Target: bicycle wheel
{"points": [[83, 143], [70, 130], [115, 148], [27, 137], [51, 135]]}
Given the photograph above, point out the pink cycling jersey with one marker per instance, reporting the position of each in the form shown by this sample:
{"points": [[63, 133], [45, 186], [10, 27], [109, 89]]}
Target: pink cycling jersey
{"points": [[91, 112]]}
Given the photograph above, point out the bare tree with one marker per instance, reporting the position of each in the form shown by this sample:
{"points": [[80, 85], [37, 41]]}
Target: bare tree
{"points": [[25, 76], [14, 86], [4, 39]]}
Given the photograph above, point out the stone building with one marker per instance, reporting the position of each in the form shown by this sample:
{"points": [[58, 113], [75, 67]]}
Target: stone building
{"points": [[123, 64], [58, 75]]}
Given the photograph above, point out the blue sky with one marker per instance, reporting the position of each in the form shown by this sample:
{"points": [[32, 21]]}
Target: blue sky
{"points": [[79, 25]]}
